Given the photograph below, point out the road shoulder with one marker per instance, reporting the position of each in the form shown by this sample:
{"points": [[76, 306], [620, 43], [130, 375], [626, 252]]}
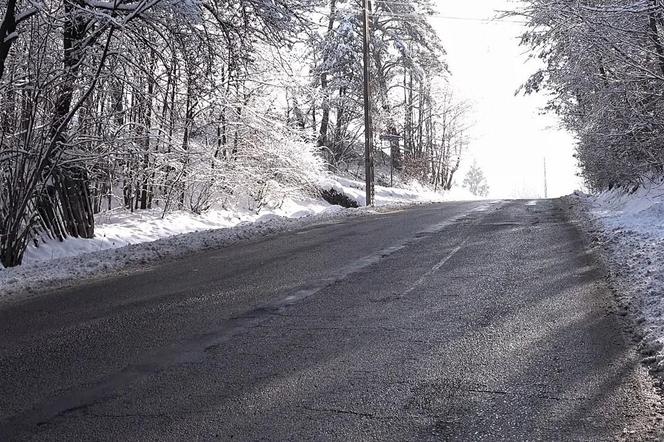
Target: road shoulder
{"points": [[624, 307]]}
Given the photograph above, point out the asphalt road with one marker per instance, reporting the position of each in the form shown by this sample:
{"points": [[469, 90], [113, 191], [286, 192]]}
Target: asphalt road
{"points": [[458, 321]]}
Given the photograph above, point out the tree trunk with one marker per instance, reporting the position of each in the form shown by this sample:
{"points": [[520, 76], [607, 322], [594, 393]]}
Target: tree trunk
{"points": [[71, 183], [325, 118], [147, 122]]}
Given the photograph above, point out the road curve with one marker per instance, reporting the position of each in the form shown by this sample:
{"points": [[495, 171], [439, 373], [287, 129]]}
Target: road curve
{"points": [[455, 321]]}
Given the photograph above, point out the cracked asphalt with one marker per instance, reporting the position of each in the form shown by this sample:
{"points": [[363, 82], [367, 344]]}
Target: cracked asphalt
{"points": [[455, 321]]}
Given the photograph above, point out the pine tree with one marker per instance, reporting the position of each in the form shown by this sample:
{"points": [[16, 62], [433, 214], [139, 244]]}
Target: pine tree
{"points": [[475, 181]]}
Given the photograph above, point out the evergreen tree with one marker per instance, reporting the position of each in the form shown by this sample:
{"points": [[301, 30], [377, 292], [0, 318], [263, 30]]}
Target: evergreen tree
{"points": [[475, 181]]}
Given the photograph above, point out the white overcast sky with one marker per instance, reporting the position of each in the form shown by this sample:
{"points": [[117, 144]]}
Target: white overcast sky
{"points": [[510, 137]]}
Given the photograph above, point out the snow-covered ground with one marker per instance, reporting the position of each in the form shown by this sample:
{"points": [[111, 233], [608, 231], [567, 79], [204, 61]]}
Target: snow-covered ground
{"points": [[125, 240], [628, 228], [120, 228]]}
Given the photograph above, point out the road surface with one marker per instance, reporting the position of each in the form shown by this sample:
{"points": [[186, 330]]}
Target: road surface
{"points": [[456, 321]]}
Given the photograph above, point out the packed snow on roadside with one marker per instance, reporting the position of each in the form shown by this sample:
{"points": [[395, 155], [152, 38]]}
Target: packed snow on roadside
{"points": [[629, 227], [125, 239], [412, 192]]}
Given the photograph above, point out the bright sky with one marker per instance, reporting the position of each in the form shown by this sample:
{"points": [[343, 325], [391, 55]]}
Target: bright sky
{"points": [[510, 137]]}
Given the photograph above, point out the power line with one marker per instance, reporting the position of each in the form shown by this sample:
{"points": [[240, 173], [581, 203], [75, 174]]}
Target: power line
{"points": [[482, 20], [438, 16], [427, 15], [448, 17], [546, 185]]}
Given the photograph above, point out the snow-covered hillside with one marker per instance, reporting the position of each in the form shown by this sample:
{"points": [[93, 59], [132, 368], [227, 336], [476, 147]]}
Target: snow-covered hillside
{"points": [[124, 239], [628, 227]]}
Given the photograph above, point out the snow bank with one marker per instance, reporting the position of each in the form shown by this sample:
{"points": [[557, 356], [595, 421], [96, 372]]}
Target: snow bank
{"points": [[125, 240], [629, 228], [120, 228], [462, 194], [410, 193]]}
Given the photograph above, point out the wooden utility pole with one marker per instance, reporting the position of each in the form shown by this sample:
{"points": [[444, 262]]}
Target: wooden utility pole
{"points": [[546, 189], [368, 127]]}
